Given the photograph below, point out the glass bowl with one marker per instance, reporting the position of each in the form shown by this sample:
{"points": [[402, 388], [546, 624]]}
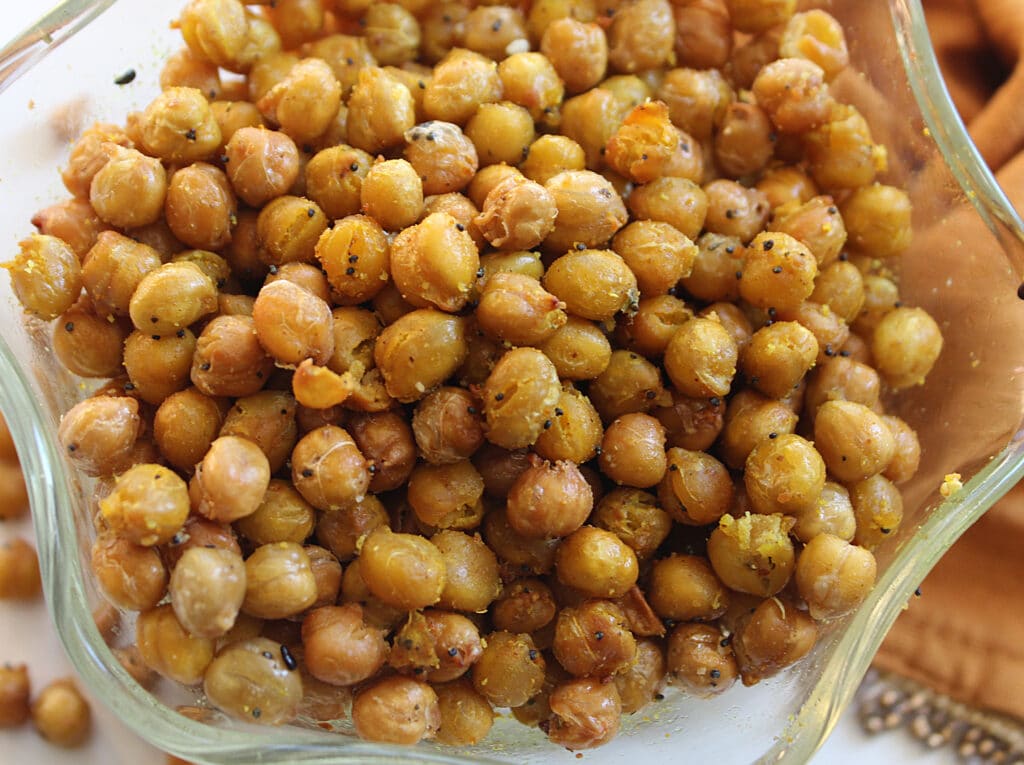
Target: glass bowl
{"points": [[964, 267]]}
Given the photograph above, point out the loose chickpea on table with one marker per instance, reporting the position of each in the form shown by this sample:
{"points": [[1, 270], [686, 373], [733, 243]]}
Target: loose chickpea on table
{"points": [[486, 372]]}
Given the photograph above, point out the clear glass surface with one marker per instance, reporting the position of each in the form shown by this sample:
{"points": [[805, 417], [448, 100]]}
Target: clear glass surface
{"points": [[964, 267]]}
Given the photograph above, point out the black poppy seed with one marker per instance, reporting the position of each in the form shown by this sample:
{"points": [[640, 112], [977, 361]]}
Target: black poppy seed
{"points": [[739, 274], [917, 592], [268, 655], [354, 166], [353, 258], [898, 304], [372, 469], [724, 642], [190, 134], [349, 60], [431, 137], [129, 386], [832, 210], [221, 283], [124, 79], [601, 151], [307, 473], [453, 651], [533, 654], [844, 257], [558, 411], [673, 467], [288, 659], [599, 635], [307, 148], [643, 157], [547, 424], [499, 397], [828, 350], [284, 411], [310, 212], [205, 366], [155, 337], [154, 319], [844, 354], [659, 696], [224, 159], [69, 327], [580, 246], [72, 448], [771, 312], [460, 227], [755, 380], [259, 375], [650, 395], [1020, 292], [471, 410], [730, 214], [256, 713], [272, 269], [421, 85], [480, 272], [597, 450], [715, 674], [884, 531], [773, 434], [776, 269], [715, 401], [768, 244], [730, 250], [843, 458], [350, 270], [496, 25]]}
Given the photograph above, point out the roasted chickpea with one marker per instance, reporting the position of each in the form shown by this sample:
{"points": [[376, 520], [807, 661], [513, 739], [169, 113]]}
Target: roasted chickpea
{"points": [[419, 351], [46, 276], [73, 221], [633, 450], [734, 210], [293, 324], [434, 263], [854, 441], [549, 500], [842, 155], [700, 660], [685, 588], [19, 570], [749, 419], [593, 639], [147, 505], [701, 358], [207, 588], [279, 581], [744, 141], [403, 570], [172, 297], [596, 562], [167, 648], [447, 495], [288, 229], [129, 190], [261, 164], [231, 481], [633, 516], [905, 345], [590, 211], [339, 647], [510, 671], [907, 453], [392, 194], [575, 432], [752, 553], [282, 516], [158, 366], [471, 572], [61, 714], [778, 356], [88, 154], [184, 427], [525, 605], [774, 636], [462, 81], [696, 488], [396, 710], [519, 396], [179, 126], [466, 715], [14, 695], [704, 36], [794, 94], [585, 713], [578, 349], [522, 554], [305, 102], [878, 508], [130, 576], [784, 474], [329, 470], [833, 576], [253, 680], [778, 272]]}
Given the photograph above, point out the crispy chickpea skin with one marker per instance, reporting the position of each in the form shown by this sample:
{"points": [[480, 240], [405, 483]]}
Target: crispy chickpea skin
{"points": [[62, 715], [403, 570], [293, 324], [446, 496], [700, 660], [261, 164], [252, 680], [329, 470], [752, 553], [148, 504], [905, 346], [701, 358], [472, 580], [597, 563], [419, 351], [171, 298], [232, 479], [279, 581], [593, 284], [854, 441], [518, 214], [549, 500], [590, 210], [434, 263], [833, 576], [340, 648], [696, 488], [448, 425], [129, 190], [593, 640], [396, 710], [633, 451], [178, 126], [207, 588], [46, 276], [515, 308], [510, 671], [519, 396]]}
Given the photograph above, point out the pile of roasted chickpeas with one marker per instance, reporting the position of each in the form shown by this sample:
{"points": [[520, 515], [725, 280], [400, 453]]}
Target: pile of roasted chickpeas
{"points": [[465, 356], [59, 712]]}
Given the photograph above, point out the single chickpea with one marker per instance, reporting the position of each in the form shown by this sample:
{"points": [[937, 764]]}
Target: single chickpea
{"points": [[62, 715]]}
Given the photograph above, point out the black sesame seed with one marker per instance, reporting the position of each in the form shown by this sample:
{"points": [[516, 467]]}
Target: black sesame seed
{"points": [[673, 467], [558, 411], [190, 134], [496, 25], [372, 469], [547, 424], [155, 337], [353, 258], [205, 366], [256, 713], [288, 659], [124, 79], [349, 271], [72, 448], [715, 674], [776, 269], [354, 166], [768, 244], [460, 227], [739, 274], [724, 642], [917, 592], [471, 410], [310, 212], [268, 655], [773, 434], [533, 654], [599, 635], [499, 397], [730, 214], [307, 473], [844, 354], [480, 272], [69, 327], [580, 246], [453, 651], [715, 401]]}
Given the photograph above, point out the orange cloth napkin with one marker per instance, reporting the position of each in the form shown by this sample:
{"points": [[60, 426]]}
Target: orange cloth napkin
{"points": [[965, 636]]}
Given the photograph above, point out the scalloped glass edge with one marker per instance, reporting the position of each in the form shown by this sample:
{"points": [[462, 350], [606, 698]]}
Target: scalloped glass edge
{"points": [[839, 676]]}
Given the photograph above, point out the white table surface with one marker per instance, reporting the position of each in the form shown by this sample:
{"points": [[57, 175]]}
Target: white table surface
{"points": [[26, 636]]}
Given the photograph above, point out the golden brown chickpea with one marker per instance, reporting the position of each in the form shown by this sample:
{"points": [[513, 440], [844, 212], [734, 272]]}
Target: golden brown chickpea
{"points": [[129, 190], [794, 94], [207, 588], [510, 671], [639, 683], [749, 419], [703, 32], [232, 479], [283, 516], [879, 220], [463, 80], [112, 270], [713, 276], [633, 516], [685, 588], [334, 179], [89, 154], [700, 660], [459, 207], [907, 454], [529, 80], [167, 648], [575, 433], [501, 132], [778, 356], [778, 272], [744, 140], [596, 562], [354, 254], [880, 296], [244, 252], [525, 605], [199, 532], [172, 297], [472, 580], [215, 30], [305, 101], [854, 441], [593, 284], [466, 716], [340, 532], [521, 554], [642, 35], [519, 396], [254, 680], [288, 229], [130, 576], [178, 126], [279, 581], [386, 441], [403, 570], [841, 379], [381, 110], [593, 640], [232, 116], [775, 635], [486, 179], [396, 710], [677, 201], [19, 570], [549, 500], [578, 52], [293, 324], [650, 329], [878, 508], [696, 98], [46, 276], [73, 221], [905, 346], [589, 120], [448, 426], [327, 573], [516, 309], [61, 714], [340, 648], [201, 206], [158, 366], [447, 496], [419, 351], [392, 194], [494, 30], [269, 70], [752, 553], [585, 713], [13, 492], [817, 225], [832, 514], [147, 505], [14, 695], [550, 155], [184, 427], [734, 210], [590, 211], [443, 157], [392, 33], [262, 164], [633, 450], [701, 358], [579, 350], [442, 26], [840, 286], [784, 184], [696, 488], [435, 262], [784, 474], [267, 419], [329, 470], [841, 153], [517, 215], [658, 254], [833, 576]]}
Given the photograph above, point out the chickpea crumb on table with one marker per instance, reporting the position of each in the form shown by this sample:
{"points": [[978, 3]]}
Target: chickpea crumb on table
{"points": [[453, 359]]}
